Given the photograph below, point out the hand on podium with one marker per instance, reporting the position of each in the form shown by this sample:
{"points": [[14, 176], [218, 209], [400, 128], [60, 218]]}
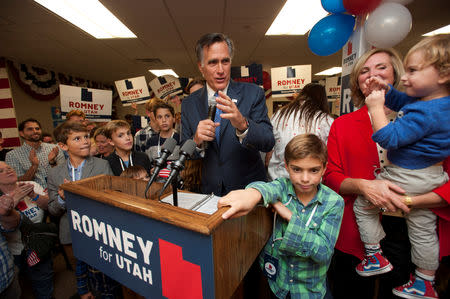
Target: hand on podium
{"points": [[241, 202]]}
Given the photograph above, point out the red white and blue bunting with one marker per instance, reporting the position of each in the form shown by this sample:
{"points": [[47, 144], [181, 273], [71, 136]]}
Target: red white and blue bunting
{"points": [[43, 85]]}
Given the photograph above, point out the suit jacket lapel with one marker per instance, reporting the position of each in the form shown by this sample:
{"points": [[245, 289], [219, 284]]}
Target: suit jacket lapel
{"points": [[203, 104], [87, 168]]}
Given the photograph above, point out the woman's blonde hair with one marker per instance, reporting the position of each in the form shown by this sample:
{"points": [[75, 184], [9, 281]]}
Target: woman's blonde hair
{"points": [[358, 97]]}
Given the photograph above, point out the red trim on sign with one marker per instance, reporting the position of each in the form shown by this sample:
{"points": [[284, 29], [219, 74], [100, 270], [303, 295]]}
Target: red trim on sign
{"points": [[180, 279]]}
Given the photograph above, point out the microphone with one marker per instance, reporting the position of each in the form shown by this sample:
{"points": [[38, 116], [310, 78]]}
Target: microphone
{"points": [[212, 108], [186, 151], [211, 113], [167, 149]]}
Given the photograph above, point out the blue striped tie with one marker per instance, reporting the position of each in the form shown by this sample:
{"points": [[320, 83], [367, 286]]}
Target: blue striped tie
{"points": [[217, 119]]}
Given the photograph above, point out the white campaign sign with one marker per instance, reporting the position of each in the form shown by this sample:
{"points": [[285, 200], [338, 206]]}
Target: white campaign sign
{"points": [[332, 87], [164, 85], [288, 80], [95, 103], [133, 90]]}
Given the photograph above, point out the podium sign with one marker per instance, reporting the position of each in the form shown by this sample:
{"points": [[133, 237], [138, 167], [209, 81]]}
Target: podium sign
{"points": [[143, 254], [156, 249]]}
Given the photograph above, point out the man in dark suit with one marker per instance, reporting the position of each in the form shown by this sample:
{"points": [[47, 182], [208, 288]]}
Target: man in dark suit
{"points": [[230, 144]]}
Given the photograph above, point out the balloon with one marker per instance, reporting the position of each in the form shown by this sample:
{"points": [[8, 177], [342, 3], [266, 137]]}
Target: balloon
{"points": [[358, 7], [333, 6], [388, 25], [330, 34], [402, 2]]}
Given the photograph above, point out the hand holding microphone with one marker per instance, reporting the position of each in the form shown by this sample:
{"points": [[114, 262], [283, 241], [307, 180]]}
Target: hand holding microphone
{"points": [[206, 128]]}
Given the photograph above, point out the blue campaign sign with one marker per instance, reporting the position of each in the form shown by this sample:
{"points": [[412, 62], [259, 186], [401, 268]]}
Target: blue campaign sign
{"points": [[153, 258]]}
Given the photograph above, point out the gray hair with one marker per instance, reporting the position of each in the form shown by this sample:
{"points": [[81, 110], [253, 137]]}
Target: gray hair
{"points": [[211, 38]]}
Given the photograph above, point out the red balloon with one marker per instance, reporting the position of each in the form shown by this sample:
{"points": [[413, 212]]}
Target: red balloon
{"points": [[359, 7]]}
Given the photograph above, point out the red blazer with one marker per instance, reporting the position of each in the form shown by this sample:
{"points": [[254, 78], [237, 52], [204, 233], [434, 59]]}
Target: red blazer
{"points": [[353, 154]]}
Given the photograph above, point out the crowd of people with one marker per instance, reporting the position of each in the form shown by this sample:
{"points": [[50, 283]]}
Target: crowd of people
{"points": [[361, 203]]}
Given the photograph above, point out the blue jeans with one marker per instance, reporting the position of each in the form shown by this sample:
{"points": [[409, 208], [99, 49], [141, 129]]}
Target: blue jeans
{"points": [[40, 275]]}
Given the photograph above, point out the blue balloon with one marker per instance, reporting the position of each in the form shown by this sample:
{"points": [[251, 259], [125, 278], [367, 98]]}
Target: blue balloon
{"points": [[330, 34], [333, 6]]}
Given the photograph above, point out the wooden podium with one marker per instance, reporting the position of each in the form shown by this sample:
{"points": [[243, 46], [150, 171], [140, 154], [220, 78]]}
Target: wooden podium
{"points": [[156, 249]]}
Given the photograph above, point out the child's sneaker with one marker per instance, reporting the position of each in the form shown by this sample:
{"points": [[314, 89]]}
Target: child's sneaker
{"points": [[416, 288], [374, 264]]}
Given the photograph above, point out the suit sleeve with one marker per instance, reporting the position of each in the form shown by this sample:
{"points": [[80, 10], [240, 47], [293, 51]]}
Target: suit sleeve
{"points": [[54, 207], [260, 135]]}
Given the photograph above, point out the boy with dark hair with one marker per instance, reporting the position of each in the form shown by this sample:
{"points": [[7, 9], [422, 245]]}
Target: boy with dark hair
{"points": [[73, 137], [297, 256], [119, 135], [165, 118]]}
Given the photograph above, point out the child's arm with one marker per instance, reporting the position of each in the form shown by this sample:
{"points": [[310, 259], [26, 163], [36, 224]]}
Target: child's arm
{"points": [[375, 105], [241, 202], [315, 241], [282, 210]]}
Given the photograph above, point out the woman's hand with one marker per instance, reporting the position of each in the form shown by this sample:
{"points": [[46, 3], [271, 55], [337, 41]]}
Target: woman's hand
{"points": [[22, 190], [383, 194], [375, 83]]}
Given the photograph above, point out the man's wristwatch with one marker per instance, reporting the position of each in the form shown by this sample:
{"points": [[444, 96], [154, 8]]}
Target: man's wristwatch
{"points": [[52, 163]]}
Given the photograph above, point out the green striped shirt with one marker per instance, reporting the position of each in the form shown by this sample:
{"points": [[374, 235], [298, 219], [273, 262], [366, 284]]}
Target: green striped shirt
{"points": [[305, 244]]}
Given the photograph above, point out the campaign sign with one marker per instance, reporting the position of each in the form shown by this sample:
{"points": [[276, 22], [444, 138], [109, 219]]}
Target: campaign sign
{"points": [[133, 90], [333, 86], [95, 103], [352, 50], [252, 73], [288, 80], [164, 85], [153, 258]]}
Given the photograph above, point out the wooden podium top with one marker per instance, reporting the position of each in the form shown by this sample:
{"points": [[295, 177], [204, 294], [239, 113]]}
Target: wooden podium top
{"points": [[128, 194]]}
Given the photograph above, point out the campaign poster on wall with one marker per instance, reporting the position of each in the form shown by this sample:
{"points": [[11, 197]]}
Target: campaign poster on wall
{"points": [[288, 80], [133, 90], [352, 50], [95, 103], [165, 85], [333, 86], [252, 73]]}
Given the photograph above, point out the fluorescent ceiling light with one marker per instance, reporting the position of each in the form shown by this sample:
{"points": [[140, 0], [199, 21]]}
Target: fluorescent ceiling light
{"points": [[330, 71], [159, 73], [297, 17], [442, 30], [90, 16]]}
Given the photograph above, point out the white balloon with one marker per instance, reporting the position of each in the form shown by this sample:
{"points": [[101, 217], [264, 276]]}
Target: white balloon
{"points": [[402, 2], [388, 25]]}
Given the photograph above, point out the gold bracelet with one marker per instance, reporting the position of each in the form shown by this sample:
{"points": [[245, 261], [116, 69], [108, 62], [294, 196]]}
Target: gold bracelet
{"points": [[408, 201]]}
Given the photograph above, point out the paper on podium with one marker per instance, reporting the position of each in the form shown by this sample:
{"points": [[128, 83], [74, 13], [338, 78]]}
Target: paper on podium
{"points": [[204, 203]]}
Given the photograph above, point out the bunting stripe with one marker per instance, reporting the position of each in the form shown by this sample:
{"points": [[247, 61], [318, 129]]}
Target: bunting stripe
{"points": [[8, 122]]}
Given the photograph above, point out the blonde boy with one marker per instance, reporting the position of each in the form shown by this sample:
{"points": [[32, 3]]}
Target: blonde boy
{"points": [[417, 143]]}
